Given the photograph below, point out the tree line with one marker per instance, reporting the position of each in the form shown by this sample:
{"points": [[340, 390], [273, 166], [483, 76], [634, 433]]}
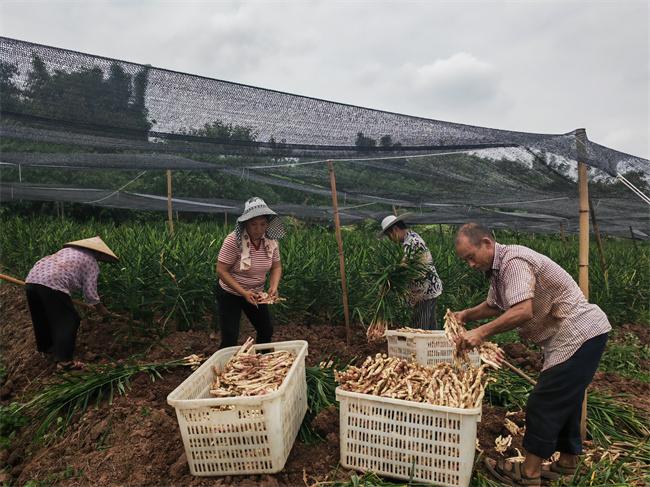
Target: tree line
{"points": [[87, 97]]}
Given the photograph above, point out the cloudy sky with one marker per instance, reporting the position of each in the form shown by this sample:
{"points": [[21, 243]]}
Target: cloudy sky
{"points": [[535, 66]]}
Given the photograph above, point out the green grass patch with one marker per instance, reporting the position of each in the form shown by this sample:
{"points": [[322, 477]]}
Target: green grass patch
{"points": [[626, 356]]}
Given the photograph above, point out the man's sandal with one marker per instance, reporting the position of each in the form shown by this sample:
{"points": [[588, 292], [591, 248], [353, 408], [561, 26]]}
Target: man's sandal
{"points": [[560, 470], [548, 473], [513, 476]]}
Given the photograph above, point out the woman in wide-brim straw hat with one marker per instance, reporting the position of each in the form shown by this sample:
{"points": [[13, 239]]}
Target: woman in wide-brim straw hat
{"points": [[49, 286], [247, 256], [423, 292]]}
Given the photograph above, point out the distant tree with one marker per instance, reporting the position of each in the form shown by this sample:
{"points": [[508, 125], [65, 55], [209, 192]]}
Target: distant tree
{"points": [[224, 132], [238, 137], [118, 89], [386, 141], [366, 144], [363, 143], [37, 78], [87, 97], [278, 149], [9, 92]]}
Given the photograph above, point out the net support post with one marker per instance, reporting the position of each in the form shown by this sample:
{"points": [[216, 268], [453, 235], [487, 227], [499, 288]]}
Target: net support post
{"points": [[170, 219], [583, 251], [339, 241]]}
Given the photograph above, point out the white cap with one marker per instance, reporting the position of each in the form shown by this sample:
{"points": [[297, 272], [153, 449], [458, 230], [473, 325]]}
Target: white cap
{"points": [[389, 221]]}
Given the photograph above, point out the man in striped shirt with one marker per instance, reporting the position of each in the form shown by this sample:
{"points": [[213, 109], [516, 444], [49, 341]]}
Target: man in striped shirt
{"points": [[530, 292]]}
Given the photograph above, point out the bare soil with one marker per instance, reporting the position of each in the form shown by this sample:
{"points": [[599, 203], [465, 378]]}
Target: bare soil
{"points": [[135, 441]]}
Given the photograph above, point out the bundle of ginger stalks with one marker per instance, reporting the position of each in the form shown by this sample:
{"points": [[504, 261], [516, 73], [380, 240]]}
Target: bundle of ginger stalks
{"points": [[399, 378], [490, 353], [249, 373], [265, 298], [376, 331]]}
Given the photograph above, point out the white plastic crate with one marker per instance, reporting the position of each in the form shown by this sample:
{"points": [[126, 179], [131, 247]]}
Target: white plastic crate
{"points": [[407, 440], [431, 348], [240, 435]]}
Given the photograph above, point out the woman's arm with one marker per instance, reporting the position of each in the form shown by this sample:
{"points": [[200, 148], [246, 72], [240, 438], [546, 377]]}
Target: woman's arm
{"points": [[274, 281], [223, 271]]}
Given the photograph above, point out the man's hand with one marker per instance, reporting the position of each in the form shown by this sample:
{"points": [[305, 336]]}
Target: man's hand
{"points": [[461, 316], [471, 339]]}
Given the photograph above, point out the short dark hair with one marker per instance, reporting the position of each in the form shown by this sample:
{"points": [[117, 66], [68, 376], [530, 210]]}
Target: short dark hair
{"points": [[474, 232]]}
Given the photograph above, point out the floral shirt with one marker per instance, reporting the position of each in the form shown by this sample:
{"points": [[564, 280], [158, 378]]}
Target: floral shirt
{"points": [[430, 286], [68, 270]]}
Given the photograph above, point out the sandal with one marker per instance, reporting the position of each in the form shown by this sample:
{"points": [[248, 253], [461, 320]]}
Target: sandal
{"points": [[70, 365], [548, 473], [514, 477], [560, 470]]}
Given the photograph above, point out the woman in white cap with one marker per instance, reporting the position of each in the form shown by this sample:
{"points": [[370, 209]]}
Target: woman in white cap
{"points": [[247, 255], [48, 287], [424, 292]]}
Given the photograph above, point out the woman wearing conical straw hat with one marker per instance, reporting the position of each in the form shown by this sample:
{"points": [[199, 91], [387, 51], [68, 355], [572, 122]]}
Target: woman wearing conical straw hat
{"points": [[247, 255], [49, 285]]}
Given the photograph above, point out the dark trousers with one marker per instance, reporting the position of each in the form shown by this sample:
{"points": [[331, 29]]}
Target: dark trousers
{"points": [[555, 405], [424, 315], [55, 321], [230, 307]]}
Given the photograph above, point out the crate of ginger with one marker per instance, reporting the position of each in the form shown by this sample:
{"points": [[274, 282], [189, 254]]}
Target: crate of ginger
{"points": [[240, 412]]}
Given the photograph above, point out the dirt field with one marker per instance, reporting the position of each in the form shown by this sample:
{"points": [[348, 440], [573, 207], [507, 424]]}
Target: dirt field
{"points": [[136, 441]]}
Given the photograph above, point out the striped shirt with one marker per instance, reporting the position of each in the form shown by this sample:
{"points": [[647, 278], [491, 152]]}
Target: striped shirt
{"points": [[562, 318], [252, 279], [69, 270]]}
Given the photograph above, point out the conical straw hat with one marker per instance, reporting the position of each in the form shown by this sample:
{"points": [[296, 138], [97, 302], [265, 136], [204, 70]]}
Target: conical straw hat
{"points": [[96, 244]]}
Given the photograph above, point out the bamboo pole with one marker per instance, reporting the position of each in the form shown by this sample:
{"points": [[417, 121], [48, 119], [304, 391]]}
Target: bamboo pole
{"points": [[519, 372], [13, 280], [599, 243], [339, 241], [633, 238], [170, 220], [583, 252]]}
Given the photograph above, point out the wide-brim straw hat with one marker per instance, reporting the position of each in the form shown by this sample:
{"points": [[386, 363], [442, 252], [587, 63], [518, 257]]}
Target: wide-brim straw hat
{"points": [[95, 244], [389, 221], [255, 207]]}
